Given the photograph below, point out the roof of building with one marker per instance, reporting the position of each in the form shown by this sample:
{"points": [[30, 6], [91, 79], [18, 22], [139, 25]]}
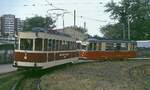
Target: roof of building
{"points": [[107, 40]]}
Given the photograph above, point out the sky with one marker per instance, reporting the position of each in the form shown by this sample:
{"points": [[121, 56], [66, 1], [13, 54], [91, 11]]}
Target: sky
{"points": [[89, 11]]}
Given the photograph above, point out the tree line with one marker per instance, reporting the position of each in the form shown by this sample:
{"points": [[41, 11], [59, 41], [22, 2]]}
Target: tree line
{"points": [[133, 14], [47, 23]]}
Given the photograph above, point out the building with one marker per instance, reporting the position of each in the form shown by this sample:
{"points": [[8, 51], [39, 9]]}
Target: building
{"points": [[75, 33], [143, 44], [0, 28], [18, 25], [8, 25]]}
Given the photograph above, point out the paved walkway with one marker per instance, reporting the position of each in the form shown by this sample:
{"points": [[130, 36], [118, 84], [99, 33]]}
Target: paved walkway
{"points": [[6, 68]]}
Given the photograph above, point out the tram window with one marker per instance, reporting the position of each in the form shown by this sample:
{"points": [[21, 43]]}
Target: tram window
{"points": [[124, 46], [16, 46], [53, 45], [118, 46], [45, 45], [56, 45], [109, 46], [64, 45], [94, 46], [60, 45], [38, 44], [99, 47], [69, 45], [78, 45], [74, 45], [90, 46], [26, 44], [50, 45], [131, 46], [83, 47], [134, 46]]}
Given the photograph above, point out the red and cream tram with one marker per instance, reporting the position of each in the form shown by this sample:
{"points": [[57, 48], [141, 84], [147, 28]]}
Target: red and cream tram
{"points": [[44, 49], [108, 49]]}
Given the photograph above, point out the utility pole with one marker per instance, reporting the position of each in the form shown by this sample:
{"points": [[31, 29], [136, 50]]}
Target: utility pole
{"points": [[84, 25], [74, 18], [75, 33], [129, 36], [63, 22], [124, 32]]}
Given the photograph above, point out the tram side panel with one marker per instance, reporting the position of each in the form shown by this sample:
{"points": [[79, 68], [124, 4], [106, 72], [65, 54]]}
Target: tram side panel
{"points": [[97, 55], [32, 57], [44, 51], [97, 50]]}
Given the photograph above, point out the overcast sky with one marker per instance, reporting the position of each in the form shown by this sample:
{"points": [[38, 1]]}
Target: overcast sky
{"points": [[89, 11]]}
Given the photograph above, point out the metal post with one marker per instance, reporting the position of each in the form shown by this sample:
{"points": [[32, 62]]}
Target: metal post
{"points": [[75, 24], [84, 25], [63, 22], [74, 18], [129, 29], [124, 32]]}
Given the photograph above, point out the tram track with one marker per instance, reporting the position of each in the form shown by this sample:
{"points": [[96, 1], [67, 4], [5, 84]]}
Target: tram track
{"points": [[37, 84], [16, 85], [33, 78], [138, 74]]}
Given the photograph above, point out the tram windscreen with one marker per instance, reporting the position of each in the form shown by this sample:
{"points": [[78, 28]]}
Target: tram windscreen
{"points": [[26, 44]]}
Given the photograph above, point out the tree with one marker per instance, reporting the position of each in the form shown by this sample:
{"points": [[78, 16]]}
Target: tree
{"points": [[136, 12], [38, 21], [112, 31]]}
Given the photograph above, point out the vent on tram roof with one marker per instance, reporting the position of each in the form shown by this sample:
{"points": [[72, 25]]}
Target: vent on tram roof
{"points": [[39, 29], [58, 33]]}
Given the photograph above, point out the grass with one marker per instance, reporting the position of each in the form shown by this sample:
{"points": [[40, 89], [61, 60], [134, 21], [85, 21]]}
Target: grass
{"points": [[27, 84], [8, 80], [107, 75], [98, 76], [142, 74]]}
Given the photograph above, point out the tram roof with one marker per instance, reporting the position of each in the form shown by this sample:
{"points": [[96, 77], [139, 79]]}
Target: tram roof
{"points": [[109, 40], [49, 34]]}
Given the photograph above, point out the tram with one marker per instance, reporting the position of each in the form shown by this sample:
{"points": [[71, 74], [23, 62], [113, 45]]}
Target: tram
{"points": [[44, 49], [108, 49]]}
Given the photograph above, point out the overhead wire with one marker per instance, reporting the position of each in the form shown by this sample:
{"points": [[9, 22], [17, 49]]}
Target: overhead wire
{"points": [[71, 13]]}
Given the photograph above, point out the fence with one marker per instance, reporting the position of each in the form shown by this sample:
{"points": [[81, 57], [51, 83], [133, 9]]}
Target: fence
{"points": [[6, 53]]}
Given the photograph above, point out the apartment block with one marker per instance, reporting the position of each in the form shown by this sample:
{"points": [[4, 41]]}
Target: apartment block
{"points": [[8, 25]]}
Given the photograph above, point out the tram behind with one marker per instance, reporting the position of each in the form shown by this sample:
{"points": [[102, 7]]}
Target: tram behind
{"points": [[43, 50], [108, 49]]}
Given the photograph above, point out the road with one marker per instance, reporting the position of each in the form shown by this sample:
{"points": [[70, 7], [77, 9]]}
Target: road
{"points": [[6, 68]]}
